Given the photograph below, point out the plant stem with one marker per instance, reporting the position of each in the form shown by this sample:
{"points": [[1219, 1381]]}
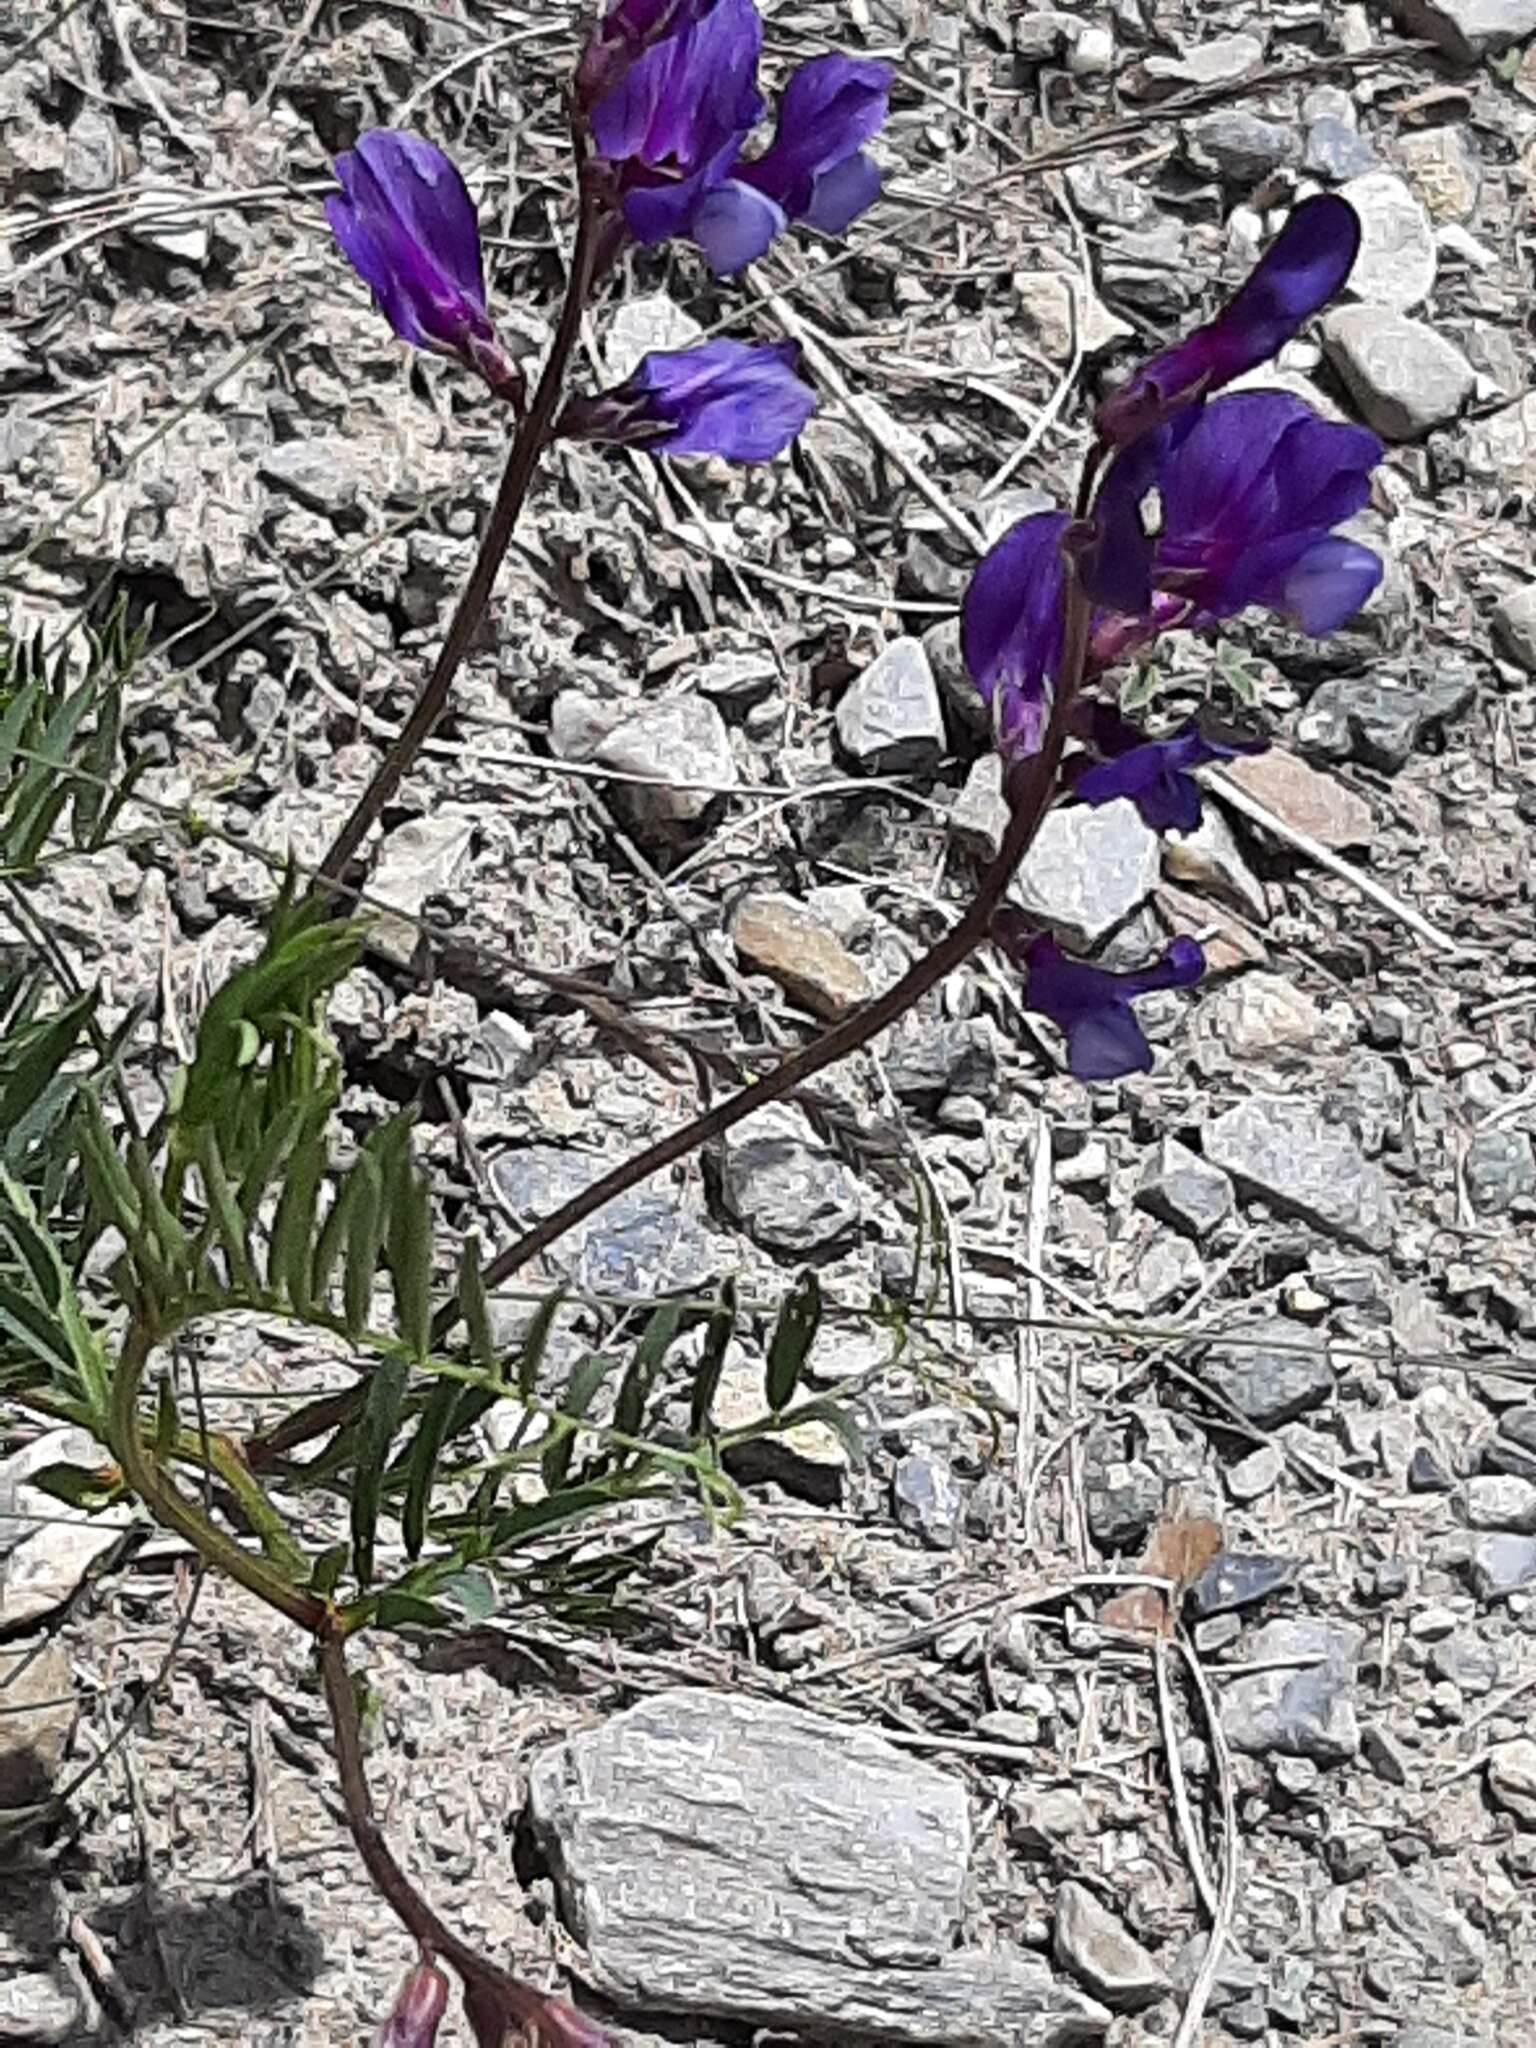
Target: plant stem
{"points": [[490, 1989], [174, 1511], [528, 444], [1030, 795]]}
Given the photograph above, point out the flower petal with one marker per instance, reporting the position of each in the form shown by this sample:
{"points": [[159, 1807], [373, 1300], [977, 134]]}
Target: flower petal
{"points": [[1091, 1005], [728, 398], [734, 225], [1329, 584], [831, 107], [1305, 266], [429, 198], [1011, 625], [841, 194]]}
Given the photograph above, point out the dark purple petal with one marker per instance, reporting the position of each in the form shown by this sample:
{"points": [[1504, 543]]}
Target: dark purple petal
{"points": [[1302, 270], [1011, 625], [406, 223], [1328, 584], [733, 225], [1148, 776], [831, 107], [1092, 1006]]}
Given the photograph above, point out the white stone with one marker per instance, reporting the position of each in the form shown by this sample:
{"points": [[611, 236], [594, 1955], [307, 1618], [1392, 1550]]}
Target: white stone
{"points": [[1404, 376], [1396, 263]]}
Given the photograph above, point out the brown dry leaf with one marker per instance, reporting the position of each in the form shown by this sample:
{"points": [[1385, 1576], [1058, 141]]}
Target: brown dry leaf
{"points": [[1180, 1549]]}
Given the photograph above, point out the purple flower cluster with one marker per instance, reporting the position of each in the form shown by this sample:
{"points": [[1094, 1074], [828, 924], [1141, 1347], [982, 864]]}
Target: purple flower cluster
{"points": [[1208, 505], [670, 97], [668, 93]]}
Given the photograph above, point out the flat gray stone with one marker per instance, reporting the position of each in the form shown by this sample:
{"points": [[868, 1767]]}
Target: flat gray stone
{"points": [[1242, 147], [786, 1189], [1088, 869], [1336, 152], [1448, 1945], [1501, 1500], [1284, 1150], [1275, 1374], [1500, 1170], [1222, 61], [1514, 627], [927, 1499], [1301, 1711], [1101, 1953], [1465, 30], [682, 747], [1396, 264], [37, 1693], [1404, 377], [749, 1861], [1380, 722], [1502, 446], [418, 860], [1183, 1190], [889, 721], [321, 472], [1501, 1565], [646, 1241], [37, 2009], [1512, 1779]]}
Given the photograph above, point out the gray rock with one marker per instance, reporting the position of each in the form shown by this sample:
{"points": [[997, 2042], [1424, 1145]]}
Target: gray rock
{"points": [[39, 2010], [1237, 1976], [1124, 1497], [979, 815], [1087, 870], [1274, 1374], [1336, 152], [928, 1499], [1429, 2037], [682, 745], [1247, 2020], [1403, 376], [1501, 1170], [967, 708], [1469, 1664], [1501, 1500], [646, 1241], [1396, 264], [1465, 30], [930, 1057], [1501, 1565], [417, 861], [320, 471], [1091, 1943], [788, 1192], [1222, 61], [1257, 1474], [1303, 1711], [1282, 1149], [1183, 1190], [37, 1693], [1240, 146], [1380, 723], [889, 721], [1514, 627], [654, 321], [1512, 1779], [1237, 1579], [1104, 196], [1448, 1943], [781, 1834], [1502, 445], [93, 154], [1149, 267]]}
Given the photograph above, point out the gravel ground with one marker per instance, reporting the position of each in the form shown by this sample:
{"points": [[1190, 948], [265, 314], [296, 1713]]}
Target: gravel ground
{"points": [[715, 757]]}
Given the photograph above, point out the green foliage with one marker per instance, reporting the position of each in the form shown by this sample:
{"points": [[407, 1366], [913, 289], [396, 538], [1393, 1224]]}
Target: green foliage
{"points": [[242, 1200]]}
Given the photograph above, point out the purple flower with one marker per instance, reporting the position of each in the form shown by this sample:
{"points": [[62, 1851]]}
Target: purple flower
{"points": [[407, 225], [1307, 263], [727, 398], [418, 2010], [1154, 774], [1249, 489], [670, 93], [1091, 1005], [1011, 625], [816, 169]]}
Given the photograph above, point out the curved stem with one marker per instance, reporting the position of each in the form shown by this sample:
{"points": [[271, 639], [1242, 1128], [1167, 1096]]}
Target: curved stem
{"points": [[528, 444], [174, 1511], [489, 1990], [1032, 788]]}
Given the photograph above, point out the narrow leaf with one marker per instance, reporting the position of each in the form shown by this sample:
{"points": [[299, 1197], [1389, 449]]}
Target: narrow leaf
{"points": [[793, 1335], [375, 1428]]}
